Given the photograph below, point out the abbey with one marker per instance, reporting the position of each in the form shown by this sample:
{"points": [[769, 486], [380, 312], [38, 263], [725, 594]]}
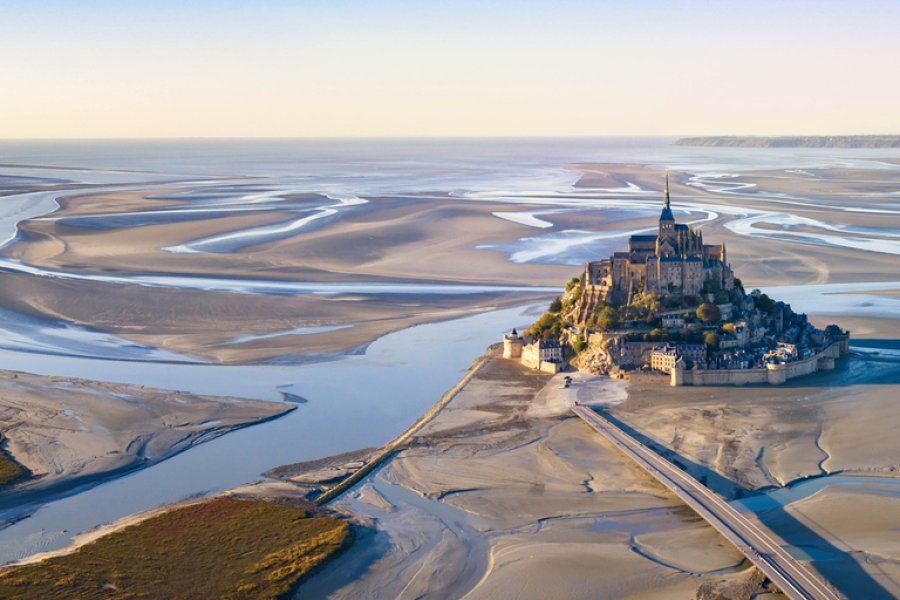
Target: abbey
{"points": [[675, 261]]}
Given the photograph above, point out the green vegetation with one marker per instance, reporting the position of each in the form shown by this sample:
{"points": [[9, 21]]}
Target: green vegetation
{"points": [[219, 548], [729, 328], [556, 305], [9, 469], [547, 327], [551, 324], [765, 304], [608, 318], [578, 344], [657, 335], [708, 313], [834, 331], [711, 339]]}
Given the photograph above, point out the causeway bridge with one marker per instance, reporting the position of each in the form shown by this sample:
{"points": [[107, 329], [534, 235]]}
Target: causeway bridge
{"points": [[791, 577]]}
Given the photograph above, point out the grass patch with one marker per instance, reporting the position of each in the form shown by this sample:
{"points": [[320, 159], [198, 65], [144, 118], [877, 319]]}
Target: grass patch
{"points": [[220, 548], [9, 469]]}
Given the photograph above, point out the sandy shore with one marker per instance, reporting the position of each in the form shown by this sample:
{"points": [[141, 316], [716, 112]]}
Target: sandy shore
{"points": [[68, 432], [504, 495]]}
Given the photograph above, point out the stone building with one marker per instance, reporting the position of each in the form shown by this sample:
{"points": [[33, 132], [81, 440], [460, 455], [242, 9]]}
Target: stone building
{"points": [[513, 344], [673, 322], [663, 358], [544, 355], [674, 261]]}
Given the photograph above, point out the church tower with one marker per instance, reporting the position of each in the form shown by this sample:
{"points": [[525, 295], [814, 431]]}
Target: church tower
{"points": [[666, 220], [666, 238]]}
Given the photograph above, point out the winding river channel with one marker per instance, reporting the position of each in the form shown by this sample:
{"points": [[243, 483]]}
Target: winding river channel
{"points": [[354, 401]]}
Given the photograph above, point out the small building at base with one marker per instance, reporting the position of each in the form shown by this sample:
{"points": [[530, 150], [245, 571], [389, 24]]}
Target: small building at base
{"points": [[543, 355]]}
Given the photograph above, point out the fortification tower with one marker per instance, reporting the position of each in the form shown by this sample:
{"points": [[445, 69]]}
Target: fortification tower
{"points": [[513, 344]]}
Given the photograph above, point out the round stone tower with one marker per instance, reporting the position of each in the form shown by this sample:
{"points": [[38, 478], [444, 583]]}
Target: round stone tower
{"points": [[512, 345]]}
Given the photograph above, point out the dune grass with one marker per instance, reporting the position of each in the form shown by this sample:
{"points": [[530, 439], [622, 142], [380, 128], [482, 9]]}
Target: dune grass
{"points": [[9, 469], [219, 548]]}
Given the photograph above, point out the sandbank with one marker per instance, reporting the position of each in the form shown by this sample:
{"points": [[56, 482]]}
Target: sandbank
{"points": [[68, 432]]}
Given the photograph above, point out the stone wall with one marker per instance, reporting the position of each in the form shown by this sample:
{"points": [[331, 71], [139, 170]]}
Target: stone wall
{"points": [[773, 374]]}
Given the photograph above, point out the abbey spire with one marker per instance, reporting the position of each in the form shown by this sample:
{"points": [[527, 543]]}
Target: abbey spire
{"points": [[666, 219], [675, 261]]}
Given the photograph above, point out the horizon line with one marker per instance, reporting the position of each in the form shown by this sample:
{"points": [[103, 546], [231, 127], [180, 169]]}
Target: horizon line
{"points": [[438, 136]]}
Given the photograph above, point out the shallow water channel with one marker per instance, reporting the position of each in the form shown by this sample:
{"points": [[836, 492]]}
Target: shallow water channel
{"points": [[353, 402]]}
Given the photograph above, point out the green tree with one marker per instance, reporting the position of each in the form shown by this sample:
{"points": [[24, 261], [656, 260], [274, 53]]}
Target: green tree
{"points": [[765, 304], [711, 339], [729, 328], [708, 313], [608, 318], [833, 331], [544, 326], [556, 305], [658, 335]]}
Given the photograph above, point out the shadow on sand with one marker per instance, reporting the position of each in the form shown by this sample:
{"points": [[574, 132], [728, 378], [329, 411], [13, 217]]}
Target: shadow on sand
{"points": [[839, 567]]}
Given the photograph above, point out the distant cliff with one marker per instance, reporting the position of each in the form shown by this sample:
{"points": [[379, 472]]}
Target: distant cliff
{"points": [[799, 141]]}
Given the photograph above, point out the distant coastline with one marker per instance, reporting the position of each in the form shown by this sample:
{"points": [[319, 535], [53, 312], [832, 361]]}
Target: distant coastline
{"points": [[800, 141]]}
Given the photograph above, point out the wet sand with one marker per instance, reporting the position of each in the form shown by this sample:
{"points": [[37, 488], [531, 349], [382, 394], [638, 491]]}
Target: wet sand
{"points": [[848, 530], [68, 432], [746, 438], [822, 195], [220, 327], [505, 495], [388, 240], [746, 442], [423, 238], [500, 491]]}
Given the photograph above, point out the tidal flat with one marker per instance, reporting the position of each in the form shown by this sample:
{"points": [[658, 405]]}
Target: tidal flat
{"points": [[110, 275]]}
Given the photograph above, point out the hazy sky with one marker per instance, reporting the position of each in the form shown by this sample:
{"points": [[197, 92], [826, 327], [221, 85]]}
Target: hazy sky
{"points": [[130, 68]]}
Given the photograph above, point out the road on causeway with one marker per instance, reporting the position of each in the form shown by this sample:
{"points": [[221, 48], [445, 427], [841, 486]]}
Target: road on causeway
{"points": [[791, 577]]}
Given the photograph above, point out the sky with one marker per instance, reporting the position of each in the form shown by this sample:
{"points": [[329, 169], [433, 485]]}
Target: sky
{"points": [[347, 68]]}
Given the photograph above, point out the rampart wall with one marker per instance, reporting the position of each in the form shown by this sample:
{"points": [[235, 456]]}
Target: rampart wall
{"points": [[773, 373]]}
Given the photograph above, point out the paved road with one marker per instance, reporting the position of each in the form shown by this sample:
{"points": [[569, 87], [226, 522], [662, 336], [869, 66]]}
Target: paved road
{"points": [[791, 577]]}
